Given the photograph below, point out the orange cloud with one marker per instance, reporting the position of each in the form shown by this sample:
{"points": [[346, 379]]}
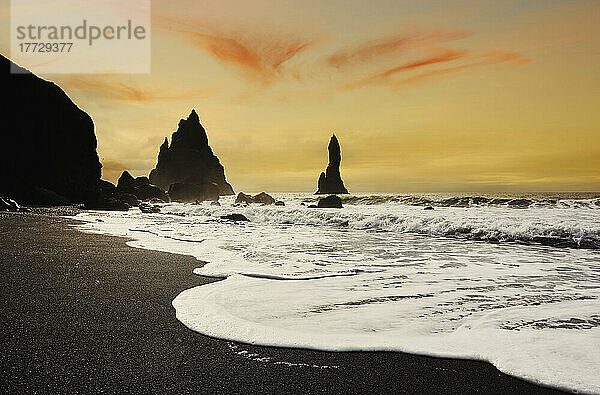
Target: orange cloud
{"points": [[390, 45], [259, 58], [121, 91], [490, 58], [382, 77], [512, 57]]}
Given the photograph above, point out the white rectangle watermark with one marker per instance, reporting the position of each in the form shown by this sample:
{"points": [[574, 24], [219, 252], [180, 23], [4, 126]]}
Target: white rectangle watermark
{"points": [[91, 36]]}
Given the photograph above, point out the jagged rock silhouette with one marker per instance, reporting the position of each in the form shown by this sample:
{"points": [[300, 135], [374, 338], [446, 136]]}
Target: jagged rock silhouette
{"points": [[190, 161]]}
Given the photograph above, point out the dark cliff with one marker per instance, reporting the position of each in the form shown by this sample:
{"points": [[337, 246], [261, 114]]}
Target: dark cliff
{"points": [[330, 181], [48, 143]]}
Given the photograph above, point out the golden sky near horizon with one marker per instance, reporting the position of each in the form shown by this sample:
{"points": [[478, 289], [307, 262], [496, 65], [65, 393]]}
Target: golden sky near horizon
{"points": [[423, 95]]}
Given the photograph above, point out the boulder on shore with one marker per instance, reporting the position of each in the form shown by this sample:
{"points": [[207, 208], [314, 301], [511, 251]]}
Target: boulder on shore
{"points": [[331, 201], [330, 181], [106, 196], [149, 192], [39, 196], [140, 187]]}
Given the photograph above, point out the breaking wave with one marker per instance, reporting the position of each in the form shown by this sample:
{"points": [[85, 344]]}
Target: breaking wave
{"points": [[564, 200], [566, 227]]}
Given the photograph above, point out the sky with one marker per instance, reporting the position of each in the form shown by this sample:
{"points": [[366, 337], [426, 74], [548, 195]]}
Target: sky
{"points": [[424, 96]]}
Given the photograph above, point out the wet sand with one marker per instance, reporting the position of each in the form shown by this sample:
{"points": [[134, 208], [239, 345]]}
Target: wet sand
{"points": [[87, 313]]}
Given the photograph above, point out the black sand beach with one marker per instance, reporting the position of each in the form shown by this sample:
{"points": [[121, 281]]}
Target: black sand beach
{"points": [[86, 313]]}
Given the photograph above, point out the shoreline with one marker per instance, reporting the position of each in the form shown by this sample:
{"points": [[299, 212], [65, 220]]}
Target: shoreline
{"points": [[86, 312]]}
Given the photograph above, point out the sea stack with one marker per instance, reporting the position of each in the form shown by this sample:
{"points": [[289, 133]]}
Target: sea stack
{"points": [[189, 165], [48, 152], [330, 181]]}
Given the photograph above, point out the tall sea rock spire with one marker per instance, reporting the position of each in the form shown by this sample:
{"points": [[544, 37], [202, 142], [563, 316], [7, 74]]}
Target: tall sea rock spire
{"points": [[330, 181], [189, 159]]}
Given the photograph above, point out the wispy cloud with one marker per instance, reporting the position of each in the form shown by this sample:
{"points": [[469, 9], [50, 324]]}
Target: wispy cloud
{"points": [[112, 89], [375, 55], [512, 57], [260, 55], [382, 77], [490, 58], [259, 58], [391, 45]]}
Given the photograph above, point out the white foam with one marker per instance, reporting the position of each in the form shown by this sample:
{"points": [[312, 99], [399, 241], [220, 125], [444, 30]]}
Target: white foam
{"points": [[259, 358], [557, 357], [391, 277]]}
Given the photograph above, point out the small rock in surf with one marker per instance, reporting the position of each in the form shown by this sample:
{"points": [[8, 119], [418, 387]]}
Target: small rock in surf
{"points": [[148, 208], [235, 217], [262, 198], [331, 201]]}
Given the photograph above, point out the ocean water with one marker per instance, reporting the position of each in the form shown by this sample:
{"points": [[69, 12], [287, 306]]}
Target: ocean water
{"points": [[513, 280]]}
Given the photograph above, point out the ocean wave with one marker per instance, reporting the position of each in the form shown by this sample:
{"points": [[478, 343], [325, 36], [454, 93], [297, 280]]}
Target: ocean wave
{"points": [[559, 201], [496, 230], [565, 228]]}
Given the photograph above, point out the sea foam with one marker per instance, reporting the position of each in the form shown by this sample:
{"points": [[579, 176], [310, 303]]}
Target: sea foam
{"points": [[474, 282]]}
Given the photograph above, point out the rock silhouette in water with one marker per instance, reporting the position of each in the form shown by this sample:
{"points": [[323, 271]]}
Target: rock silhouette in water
{"points": [[235, 217], [330, 181], [189, 192], [331, 201], [189, 161], [48, 151], [140, 187], [261, 198]]}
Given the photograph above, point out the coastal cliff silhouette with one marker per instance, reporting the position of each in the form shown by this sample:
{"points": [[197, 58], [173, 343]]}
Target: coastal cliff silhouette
{"points": [[48, 151]]}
